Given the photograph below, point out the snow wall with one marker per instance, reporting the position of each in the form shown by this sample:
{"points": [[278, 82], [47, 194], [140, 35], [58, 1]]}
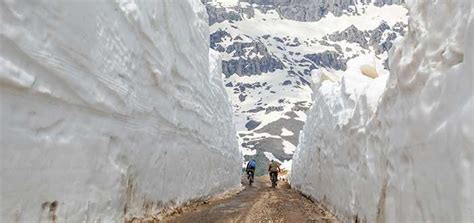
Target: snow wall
{"points": [[110, 110], [400, 150]]}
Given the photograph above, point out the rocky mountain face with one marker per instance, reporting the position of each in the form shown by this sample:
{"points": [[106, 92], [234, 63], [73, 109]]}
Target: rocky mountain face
{"points": [[314, 10], [299, 10], [270, 48]]}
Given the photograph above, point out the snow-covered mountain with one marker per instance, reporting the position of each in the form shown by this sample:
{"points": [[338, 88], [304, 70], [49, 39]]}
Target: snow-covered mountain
{"points": [[271, 47], [110, 110], [399, 150]]}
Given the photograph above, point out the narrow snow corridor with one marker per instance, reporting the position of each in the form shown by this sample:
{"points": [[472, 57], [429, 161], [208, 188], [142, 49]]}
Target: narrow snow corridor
{"points": [[142, 111]]}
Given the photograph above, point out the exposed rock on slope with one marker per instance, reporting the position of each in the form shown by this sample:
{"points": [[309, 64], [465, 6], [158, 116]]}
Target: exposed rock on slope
{"points": [[110, 110], [314, 10]]}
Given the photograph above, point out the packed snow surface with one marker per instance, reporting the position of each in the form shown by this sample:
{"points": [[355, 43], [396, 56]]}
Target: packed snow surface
{"points": [[399, 150], [110, 110]]}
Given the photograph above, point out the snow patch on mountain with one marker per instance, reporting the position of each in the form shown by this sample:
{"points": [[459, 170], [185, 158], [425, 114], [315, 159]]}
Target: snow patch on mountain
{"points": [[110, 110], [398, 149], [286, 132]]}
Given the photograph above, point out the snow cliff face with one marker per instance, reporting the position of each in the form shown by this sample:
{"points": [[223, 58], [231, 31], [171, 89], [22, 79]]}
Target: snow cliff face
{"points": [[399, 150], [270, 47], [110, 110]]}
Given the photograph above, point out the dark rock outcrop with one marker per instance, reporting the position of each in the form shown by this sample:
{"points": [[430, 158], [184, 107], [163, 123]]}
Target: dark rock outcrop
{"points": [[314, 10], [352, 35], [327, 59], [251, 125], [218, 15], [246, 66], [217, 37]]}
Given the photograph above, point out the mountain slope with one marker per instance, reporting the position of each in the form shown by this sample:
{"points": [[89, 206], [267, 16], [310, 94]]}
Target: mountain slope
{"points": [[271, 47]]}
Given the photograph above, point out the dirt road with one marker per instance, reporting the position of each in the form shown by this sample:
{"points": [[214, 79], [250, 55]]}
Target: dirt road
{"points": [[258, 203]]}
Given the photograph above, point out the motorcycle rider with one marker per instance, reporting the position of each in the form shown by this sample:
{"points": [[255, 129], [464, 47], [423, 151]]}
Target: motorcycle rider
{"points": [[273, 169], [250, 169]]}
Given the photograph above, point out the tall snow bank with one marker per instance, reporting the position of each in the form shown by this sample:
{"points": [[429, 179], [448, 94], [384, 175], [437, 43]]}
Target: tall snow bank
{"points": [[110, 110], [401, 150]]}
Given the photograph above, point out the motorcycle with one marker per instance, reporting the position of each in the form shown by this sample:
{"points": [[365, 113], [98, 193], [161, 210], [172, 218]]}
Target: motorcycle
{"points": [[274, 178], [250, 177]]}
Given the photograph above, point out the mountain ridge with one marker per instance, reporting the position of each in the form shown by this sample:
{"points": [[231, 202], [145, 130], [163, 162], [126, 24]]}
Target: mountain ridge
{"points": [[268, 58]]}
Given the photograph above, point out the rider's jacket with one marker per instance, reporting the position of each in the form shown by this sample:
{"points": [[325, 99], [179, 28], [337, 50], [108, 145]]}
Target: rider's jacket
{"points": [[273, 167]]}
